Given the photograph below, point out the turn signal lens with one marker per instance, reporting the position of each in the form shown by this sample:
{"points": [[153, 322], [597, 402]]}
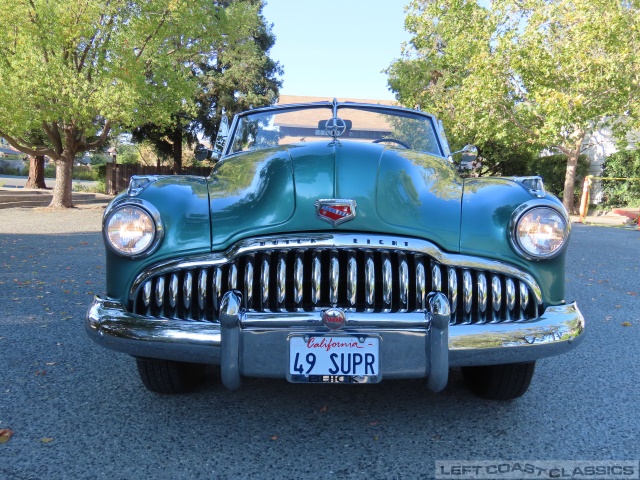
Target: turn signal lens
{"points": [[130, 230], [541, 232]]}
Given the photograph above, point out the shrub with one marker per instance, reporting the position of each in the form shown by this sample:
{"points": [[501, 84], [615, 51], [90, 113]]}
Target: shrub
{"points": [[102, 173], [98, 158], [50, 170], [503, 160], [553, 168], [85, 173], [500, 161], [623, 164], [98, 187], [7, 170]]}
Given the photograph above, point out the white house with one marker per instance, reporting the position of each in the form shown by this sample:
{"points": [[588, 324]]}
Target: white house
{"points": [[598, 146]]}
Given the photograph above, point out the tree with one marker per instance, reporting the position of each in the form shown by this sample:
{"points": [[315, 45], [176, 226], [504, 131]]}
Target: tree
{"points": [[242, 76], [542, 72], [78, 69], [36, 162], [167, 141], [36, 172], [236, 75]]}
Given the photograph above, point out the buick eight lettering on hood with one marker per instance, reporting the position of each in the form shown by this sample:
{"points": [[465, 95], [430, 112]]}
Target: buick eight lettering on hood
{"points": [[336, 242]]}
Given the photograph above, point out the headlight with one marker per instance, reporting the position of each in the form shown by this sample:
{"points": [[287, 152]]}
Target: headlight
{"points": [[540, 233], [131, 230]]}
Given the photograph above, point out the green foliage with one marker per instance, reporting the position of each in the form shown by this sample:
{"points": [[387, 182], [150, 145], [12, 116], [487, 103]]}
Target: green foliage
{"points": [[617, 193], [243, 75], [98, 158], [128, 153], [98, 187], [501, 159], [237, 75], [80, 172], [85, 61], [85, 173], [522, 72], [8, 170], [75, 69], [50, 170], [102, 173], [552, 170]]}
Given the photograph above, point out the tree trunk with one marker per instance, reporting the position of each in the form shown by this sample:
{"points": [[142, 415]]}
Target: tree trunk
{"points": [[572, 151], [36, 172], [62, 193], [570, 179]]}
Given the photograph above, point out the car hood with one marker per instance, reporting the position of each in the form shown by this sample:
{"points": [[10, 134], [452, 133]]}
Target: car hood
{"points": [[273, 191]]}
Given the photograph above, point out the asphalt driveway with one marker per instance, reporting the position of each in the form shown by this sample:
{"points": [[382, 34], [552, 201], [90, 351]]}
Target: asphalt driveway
{"points": [[79, 411]]}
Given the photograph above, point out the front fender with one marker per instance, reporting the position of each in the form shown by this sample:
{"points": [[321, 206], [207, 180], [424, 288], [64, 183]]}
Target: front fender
{"points": [[183, 203], [487, 208]]}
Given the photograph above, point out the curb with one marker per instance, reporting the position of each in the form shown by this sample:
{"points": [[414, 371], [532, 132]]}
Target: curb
{"points": [[604, 220], [28, 198]]}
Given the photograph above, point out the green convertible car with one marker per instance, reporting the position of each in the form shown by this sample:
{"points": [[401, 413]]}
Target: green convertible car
{"points": [[336, 242]]}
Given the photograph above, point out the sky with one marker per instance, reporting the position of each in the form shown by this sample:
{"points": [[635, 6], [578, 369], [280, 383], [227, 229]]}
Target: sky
{"points": [[337, 48]]}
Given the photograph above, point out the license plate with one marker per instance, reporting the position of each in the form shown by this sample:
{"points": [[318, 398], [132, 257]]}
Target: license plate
{"points": [[334, 359]]}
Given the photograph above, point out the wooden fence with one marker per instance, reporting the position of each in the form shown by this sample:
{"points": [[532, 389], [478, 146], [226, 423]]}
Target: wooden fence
{"points": [[118, 175]]}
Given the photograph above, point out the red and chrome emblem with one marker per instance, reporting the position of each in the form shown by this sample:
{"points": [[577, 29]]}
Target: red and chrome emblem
{"points": [[335, 211], [333, 318]]}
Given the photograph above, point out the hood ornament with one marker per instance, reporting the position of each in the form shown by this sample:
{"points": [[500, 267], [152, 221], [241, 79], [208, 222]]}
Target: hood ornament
{"points": [[335, 127], [335, 210]]}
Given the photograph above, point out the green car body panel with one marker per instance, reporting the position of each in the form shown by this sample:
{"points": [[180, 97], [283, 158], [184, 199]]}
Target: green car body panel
{"points": [[395, 190], [273, 191], [184, 203], [487, 208]]}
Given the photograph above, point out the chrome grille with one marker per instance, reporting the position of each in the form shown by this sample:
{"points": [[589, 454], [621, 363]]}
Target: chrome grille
{"points": [[355, 279]]}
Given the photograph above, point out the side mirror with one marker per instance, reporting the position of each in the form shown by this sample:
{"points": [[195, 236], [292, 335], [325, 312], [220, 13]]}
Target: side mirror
{"points": [[202, 153], [468, 151], [469, 156]]}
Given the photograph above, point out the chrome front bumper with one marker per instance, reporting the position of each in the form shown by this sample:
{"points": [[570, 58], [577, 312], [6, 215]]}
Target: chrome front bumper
{"points": [[414, 345]]}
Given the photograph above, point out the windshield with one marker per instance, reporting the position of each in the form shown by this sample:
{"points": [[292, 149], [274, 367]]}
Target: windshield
{"points": [[400, 128]]}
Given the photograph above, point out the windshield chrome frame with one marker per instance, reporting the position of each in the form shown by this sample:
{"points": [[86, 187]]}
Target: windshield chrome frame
{"points": [[334, 106]]}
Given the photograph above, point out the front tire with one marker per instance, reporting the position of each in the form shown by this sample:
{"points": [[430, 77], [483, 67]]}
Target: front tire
{"points": [[499, 382], [169, 377]]}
